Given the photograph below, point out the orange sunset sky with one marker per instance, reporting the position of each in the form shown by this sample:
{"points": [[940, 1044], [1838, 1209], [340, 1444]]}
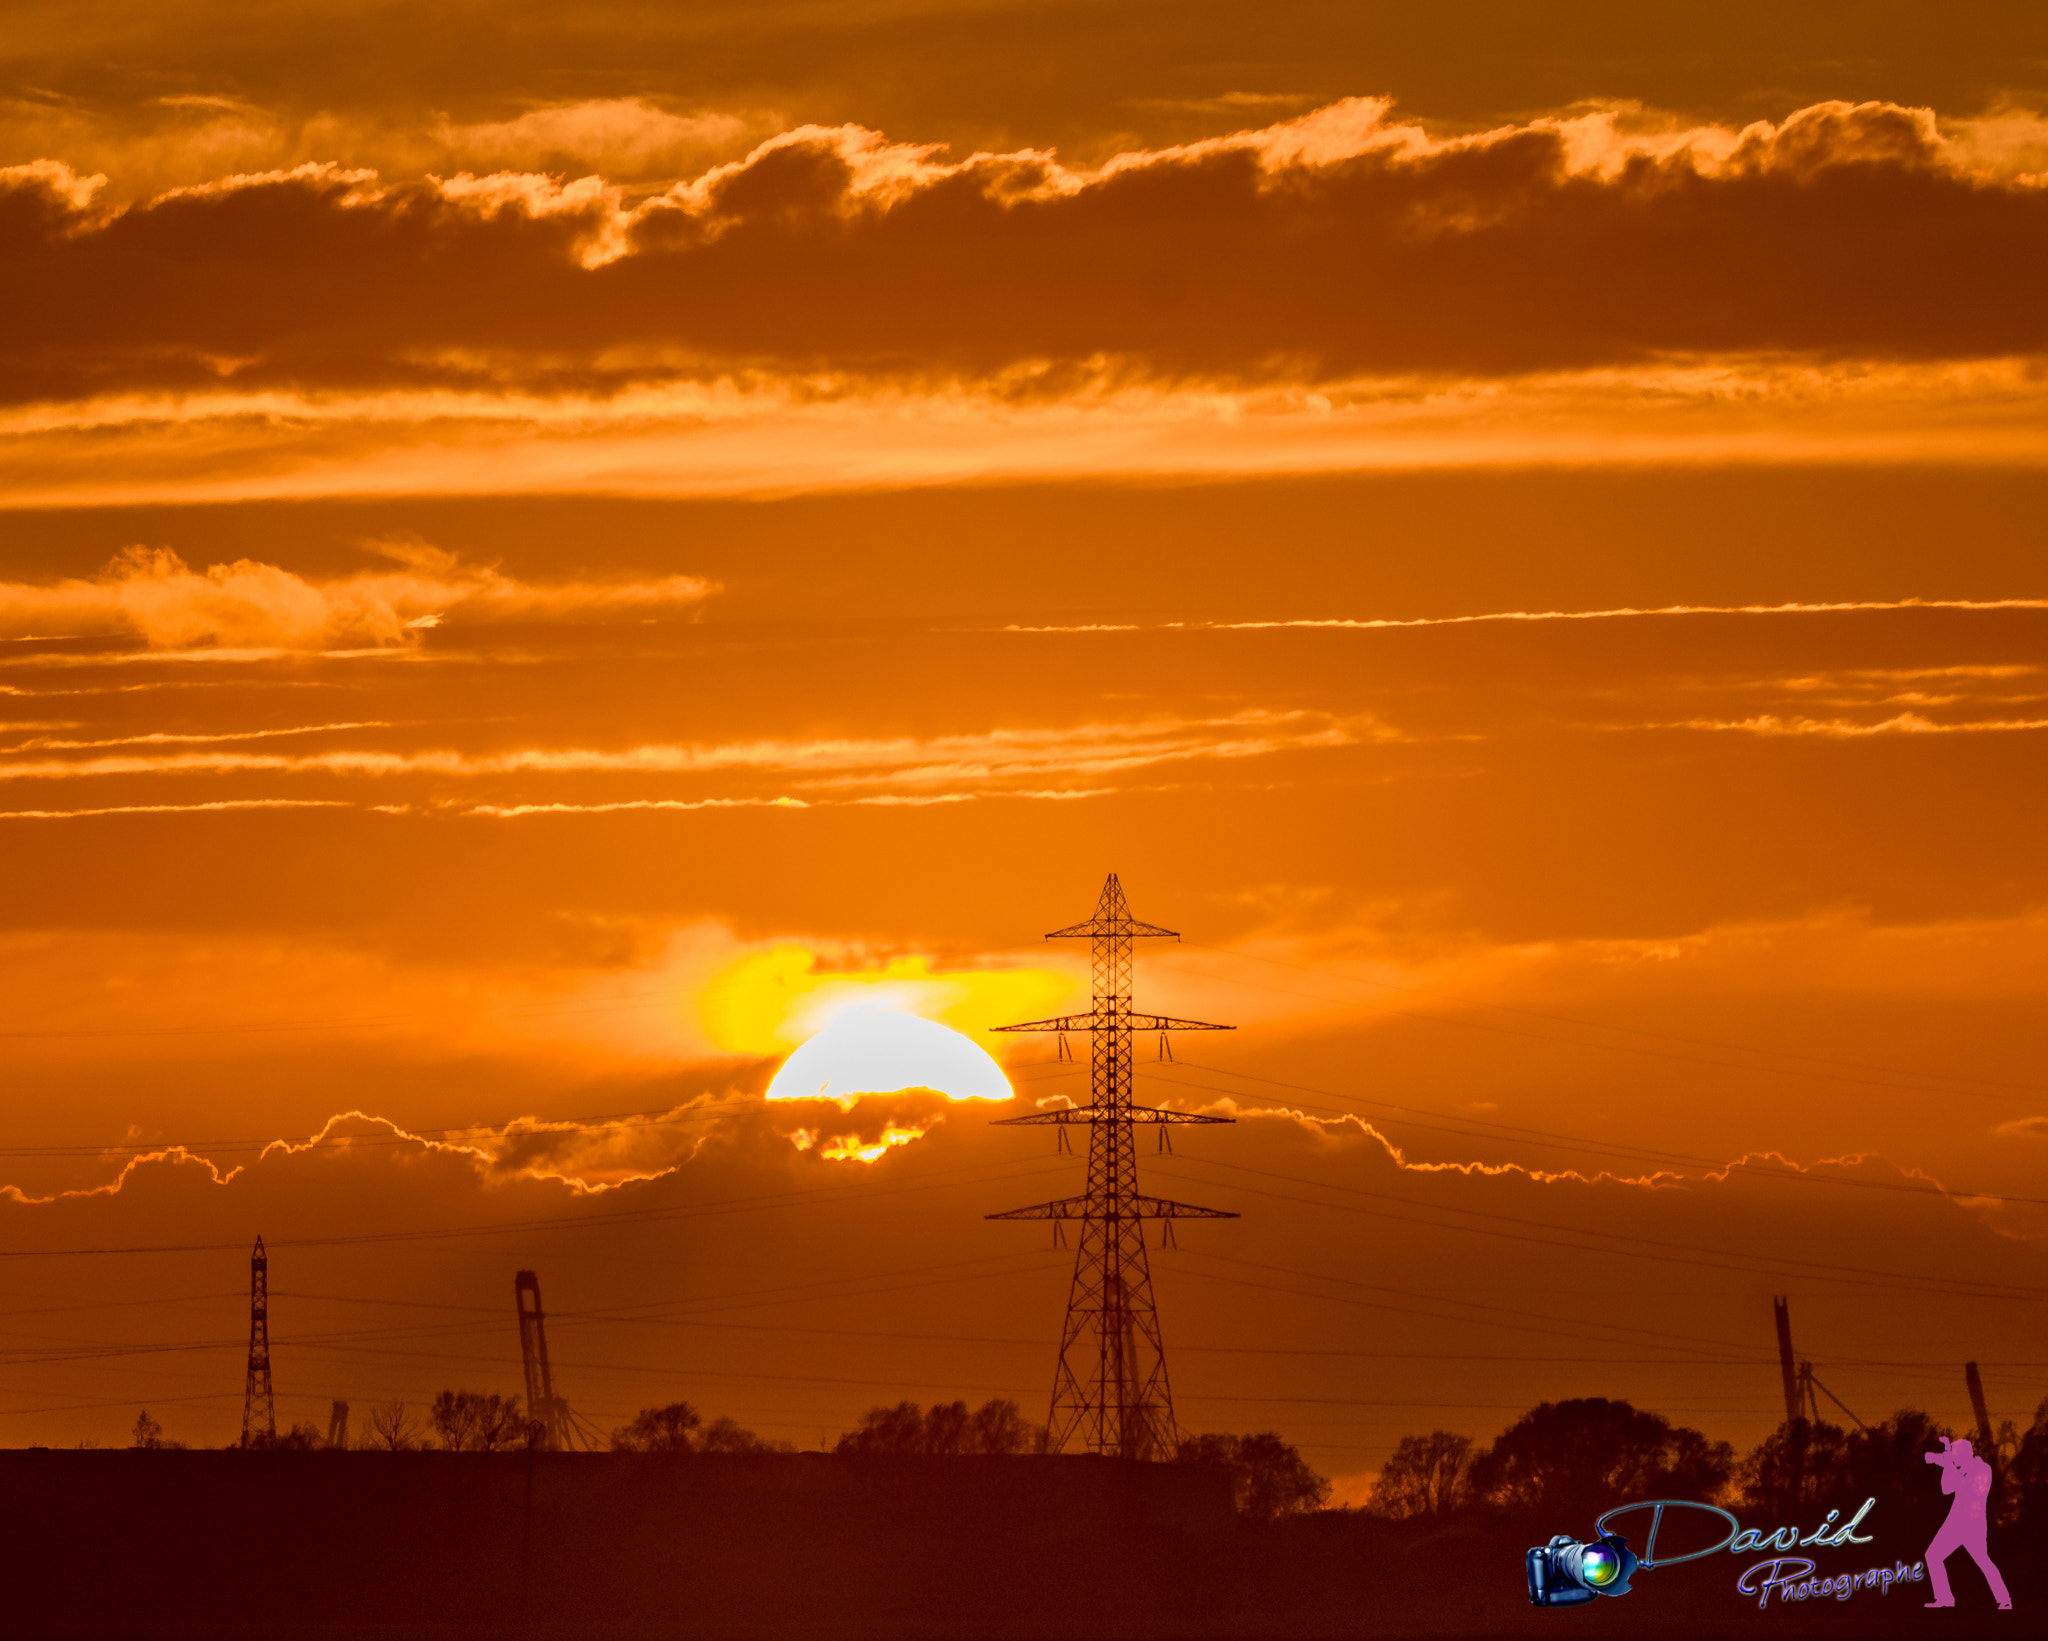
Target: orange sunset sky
{"points": [[548, 555]]}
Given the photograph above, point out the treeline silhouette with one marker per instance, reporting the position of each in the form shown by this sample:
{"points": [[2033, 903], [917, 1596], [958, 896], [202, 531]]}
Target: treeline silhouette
{"points": [[1268, 1476], [1573, 1457], [1561, 1458]]}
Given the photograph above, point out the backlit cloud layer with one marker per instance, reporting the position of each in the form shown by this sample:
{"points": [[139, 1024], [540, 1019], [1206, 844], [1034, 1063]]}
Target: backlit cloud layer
{"points": [[1340, 244]]}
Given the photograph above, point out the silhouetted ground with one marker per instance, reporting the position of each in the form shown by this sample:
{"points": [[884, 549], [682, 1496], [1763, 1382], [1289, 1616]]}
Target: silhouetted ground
{"points": [[816, 1547]]}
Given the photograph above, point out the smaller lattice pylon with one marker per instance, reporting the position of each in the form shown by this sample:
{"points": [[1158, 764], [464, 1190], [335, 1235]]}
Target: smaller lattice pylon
{"points": [[1781, 1314], [259, 1414], [543, 1406], [1987, 1442], [337, 1426]]}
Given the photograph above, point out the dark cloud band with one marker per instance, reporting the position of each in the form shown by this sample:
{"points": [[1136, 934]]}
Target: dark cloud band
{"points": [[1333, 247]]}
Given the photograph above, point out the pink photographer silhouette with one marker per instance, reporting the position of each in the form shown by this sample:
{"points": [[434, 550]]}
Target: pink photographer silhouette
{"points": [[1969, 1479]]}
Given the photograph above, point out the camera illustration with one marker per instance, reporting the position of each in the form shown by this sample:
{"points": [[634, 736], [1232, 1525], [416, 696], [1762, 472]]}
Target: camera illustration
{"points": [[1568, 1571]]}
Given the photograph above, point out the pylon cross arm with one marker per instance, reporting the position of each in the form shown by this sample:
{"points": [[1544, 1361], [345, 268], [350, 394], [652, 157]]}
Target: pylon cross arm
{"points": [[1139, 1208], [1169, 1022], [1160, 1208], [1093, 1020], [1066, 1116], [1064, 1022], [1065, 1208], [1129, 928]]}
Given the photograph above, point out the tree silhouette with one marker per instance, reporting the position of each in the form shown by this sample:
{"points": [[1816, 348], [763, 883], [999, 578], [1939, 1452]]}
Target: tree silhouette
{"points": [[469, 1421], [948, 1429], [669, 1429], [1426, 1476], [999, 1426], [1268, 1477], [1590, 1454], [148, 1433], [725, 1436], [2030, 1469], [391, 1429], [1796, 1466], [1885, 1463], [898, 1429]]}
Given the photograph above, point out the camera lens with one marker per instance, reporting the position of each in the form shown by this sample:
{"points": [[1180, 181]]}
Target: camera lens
{"points": [[1599, 1566]]}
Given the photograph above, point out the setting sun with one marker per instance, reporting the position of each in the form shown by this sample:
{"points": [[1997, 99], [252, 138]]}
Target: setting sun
{"points": [[873, 1049]]}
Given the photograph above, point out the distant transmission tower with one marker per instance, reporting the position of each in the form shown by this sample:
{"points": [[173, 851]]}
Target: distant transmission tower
{"points": [[1795, 1392], [1987, 1444], [1110, 1392], [542, 1404], [259, 1417]]}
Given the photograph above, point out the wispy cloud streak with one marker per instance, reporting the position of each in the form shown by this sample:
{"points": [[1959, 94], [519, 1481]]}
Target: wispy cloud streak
{"points": [[176, 808], [160, 738], [996, 754], [1904, 723], [1623, 612]]}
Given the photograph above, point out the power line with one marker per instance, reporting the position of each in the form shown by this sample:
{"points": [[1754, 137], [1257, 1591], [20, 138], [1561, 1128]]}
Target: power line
{"points": [[746, 1299], [1818, 1270], [567, 1318], [1570, 1141], [817, 1196], [2028, 1090], [1536, 1322]]}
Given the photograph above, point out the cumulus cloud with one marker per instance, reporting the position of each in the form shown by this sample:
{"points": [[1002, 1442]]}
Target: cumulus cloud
{"points": [[626, 136], [190, 138], [151, 593], [2005, 142], [1341, 243], [2023, 1128]]}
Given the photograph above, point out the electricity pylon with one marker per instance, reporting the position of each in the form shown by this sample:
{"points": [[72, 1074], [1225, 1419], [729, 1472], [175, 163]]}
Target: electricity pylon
{"points": [[1803, 1389], [1987, 1444], [1110, 1392], [542, 1405], [1795, 1396], [259, 1417]]}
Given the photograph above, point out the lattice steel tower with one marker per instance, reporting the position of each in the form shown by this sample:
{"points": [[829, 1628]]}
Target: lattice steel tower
{"points": [[1110, 1392], [542, 1403], [259, 1418]]}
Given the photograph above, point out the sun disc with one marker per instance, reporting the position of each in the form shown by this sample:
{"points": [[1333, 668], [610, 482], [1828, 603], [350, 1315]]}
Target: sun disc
{"points": [[880, 1051]]}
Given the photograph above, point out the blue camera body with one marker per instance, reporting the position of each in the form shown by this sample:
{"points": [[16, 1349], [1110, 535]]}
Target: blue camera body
{"points": [[1569, 1572]]}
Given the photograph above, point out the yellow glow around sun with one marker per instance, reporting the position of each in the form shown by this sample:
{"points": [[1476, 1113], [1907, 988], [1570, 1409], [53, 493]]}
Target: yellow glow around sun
{"points": [[891, 1029], [772, 1001]]}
